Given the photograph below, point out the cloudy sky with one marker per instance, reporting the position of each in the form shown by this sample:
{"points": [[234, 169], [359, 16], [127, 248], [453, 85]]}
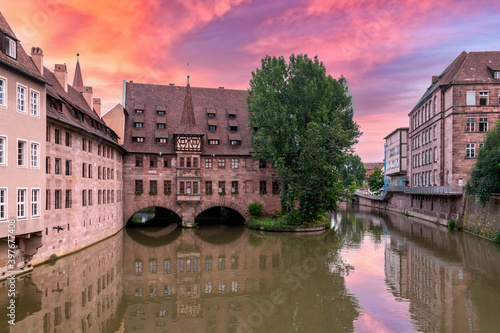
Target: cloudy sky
{"points": [[387, 50]]}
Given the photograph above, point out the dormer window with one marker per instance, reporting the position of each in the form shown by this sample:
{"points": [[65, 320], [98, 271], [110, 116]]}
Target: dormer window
{"points": [[232, 116], [211, 115], [138, 125], [161, 113], [139, 111], [212, 127], [10, 47], [160, 125], [235, 142], [496, 74], [233, 128]]}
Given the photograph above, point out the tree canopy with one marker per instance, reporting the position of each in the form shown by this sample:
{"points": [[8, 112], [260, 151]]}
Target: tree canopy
{"points": [[485, 176], [303, 125], [376, 179], [353, 170]]}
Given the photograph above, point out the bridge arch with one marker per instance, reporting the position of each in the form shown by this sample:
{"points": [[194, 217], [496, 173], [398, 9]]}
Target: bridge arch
{"points": [[222, 204], [137, 206]]}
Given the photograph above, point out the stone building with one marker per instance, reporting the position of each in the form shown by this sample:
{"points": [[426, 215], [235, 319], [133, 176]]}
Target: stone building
{"points": [[22, 150], [83, 168], [448, 124], [189, 150], [396, 149]]}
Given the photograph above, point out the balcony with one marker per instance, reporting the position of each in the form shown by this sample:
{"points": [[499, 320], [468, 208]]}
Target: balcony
{"points": [[188, 197]]}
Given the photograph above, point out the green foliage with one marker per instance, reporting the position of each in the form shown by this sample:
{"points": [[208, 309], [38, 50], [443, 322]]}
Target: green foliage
{"points": [[496, 237], [255, 209], [485, 176], [376, 179], [304, 126], [451, 224], [353, 172]]}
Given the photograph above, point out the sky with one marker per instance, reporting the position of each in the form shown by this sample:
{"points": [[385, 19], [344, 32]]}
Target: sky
{"points": [[387, 50]]}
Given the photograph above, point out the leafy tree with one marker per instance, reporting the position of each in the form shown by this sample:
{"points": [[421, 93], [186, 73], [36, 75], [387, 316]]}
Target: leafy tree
{"points": [[485, 176], [353, 168], [303, 121], [376, 179]]}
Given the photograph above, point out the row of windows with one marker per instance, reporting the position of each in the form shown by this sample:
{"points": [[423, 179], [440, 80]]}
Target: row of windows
{"points": [[426, 178], [103, 197], [22, 202], [141, 139], [23, 100], [102, 172], [87, 145], [484, 98], [425, 137], [192, 162], [188, 187], [470, 149], [471, 124], [425, 158], [427, 111], [210, 113], [22, 153]]}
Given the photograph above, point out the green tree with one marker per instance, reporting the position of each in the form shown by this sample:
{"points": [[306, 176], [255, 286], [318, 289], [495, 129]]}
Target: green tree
{"points": [[485, 176], [376, 179], [353, 167], [303, 121]]}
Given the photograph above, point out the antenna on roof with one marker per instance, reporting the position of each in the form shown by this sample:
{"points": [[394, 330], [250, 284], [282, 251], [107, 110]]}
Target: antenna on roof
{"points": [[77, 57], [188, 72]]}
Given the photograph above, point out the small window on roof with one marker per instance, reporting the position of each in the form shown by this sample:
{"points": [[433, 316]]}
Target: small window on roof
{"points": [[232, 115], [211, 115], [10, 47], [496, 74], [161, 112], [139, 110]]}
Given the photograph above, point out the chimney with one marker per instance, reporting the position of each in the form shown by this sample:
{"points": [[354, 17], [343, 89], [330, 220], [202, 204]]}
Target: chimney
{"points": [[37, 56], [97, 106], [87, 94], [61, 74]]}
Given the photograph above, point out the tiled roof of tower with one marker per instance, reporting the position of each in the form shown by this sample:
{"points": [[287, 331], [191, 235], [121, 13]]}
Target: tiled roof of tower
{"points": [[206, 101], [74, 100], [78, 79], [23, 63], [188, 122]]}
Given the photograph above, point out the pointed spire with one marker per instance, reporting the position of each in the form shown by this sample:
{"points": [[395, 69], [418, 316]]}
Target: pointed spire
{"points": [[188, 122], [78, 80]]}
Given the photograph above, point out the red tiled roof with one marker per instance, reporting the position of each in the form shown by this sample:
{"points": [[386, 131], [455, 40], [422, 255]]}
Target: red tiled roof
{"points": [[148, 96]]}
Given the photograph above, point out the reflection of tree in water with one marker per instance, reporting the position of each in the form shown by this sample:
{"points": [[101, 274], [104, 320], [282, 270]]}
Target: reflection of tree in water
{"points": [[317, 297], [354, 226]]}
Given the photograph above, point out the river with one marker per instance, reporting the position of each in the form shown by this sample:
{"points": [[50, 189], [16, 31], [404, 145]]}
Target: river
{"points": [[371, 272]]}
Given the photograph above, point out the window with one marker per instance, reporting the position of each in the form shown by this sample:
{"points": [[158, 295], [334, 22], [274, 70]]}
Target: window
{"points": [[483, 124], [208, 264], [471, 98], [68, 199], [57, 197], [68, 168], [138, 186], [496, 75], [84, 197], [222, 187], [3, 95], [435, 132], [34, 156], [57, 136], [262, 163], [160, 126], [188, 187], [84, 170], [276, 187], [138, 139], [211, 115], [167, 187], [233, 128], [181, 187], [11, 47], [232, 115], [484, 98], [90, 197], [188, 162], [21, 203], [90, 146], [470, 150], [138, 161], [208, 187], [181, 162], [470, 125], [234, 163], [234, 262], [35, 104], [153, 162], [263, 187], [68, 139], [161, 140], [222, 263], [499, 97], [21, 153], [435, 154], [3, 150], [153, 187], [47, 165], [234, 187], [195, 162], [138, 125], [235, 142], [47, 199], [212, 127], [208, 163], [195, 187], [139, 110], [138, 267], [3, 203], [160, 113], [222, 163], [213, 142]]}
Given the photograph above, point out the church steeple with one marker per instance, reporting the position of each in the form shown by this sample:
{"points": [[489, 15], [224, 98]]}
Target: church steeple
{"points": [[188, 135], [78, 80]]}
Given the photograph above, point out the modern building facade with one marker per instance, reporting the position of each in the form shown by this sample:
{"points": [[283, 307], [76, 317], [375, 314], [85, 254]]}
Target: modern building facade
{"points": [[396, 149], [448, 124], [22, 151]]}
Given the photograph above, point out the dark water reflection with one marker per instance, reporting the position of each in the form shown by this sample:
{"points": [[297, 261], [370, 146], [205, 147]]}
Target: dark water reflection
{"points": [[372, 272]]}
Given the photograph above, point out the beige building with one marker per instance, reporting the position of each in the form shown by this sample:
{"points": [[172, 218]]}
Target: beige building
{"points": [[396, 150], [22, 150]]}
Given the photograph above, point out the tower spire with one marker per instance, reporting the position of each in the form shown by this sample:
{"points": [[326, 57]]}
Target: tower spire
{"points": [[78, 80]]}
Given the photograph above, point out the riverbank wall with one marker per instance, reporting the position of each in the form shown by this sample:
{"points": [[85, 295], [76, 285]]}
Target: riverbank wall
{"points": [[482, 220]]}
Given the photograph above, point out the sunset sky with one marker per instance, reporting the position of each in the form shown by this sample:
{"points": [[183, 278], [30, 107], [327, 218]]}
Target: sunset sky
{"points": [[387, 50]]}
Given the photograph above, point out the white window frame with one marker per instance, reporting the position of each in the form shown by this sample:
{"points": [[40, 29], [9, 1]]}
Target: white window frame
{"points": [[3, 204], [34, 103], [35, 160], [24, 154], [470, 150], [21, 204], [471, 98], [484, 93], [234, 163], [21, 102], [484, 121], [3, 92], [35, 202], [3, 149], [472, 126], [11, 47], [496, 74]]}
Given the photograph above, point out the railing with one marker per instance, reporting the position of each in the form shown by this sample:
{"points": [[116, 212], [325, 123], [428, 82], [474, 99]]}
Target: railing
{"points": [[443, 190]]}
